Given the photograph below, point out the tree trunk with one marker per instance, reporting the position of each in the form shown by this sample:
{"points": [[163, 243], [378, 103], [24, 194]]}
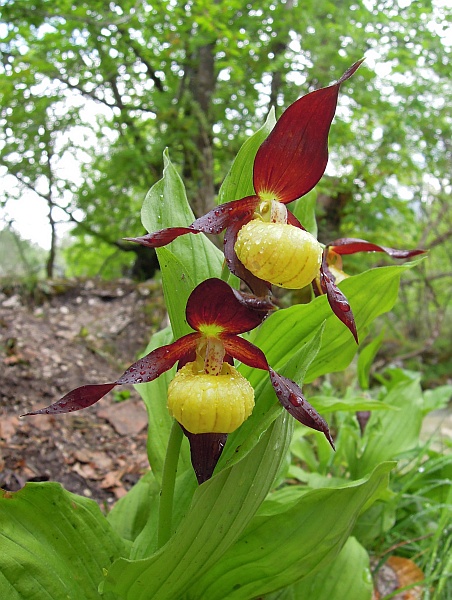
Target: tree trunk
{"points": [[50, 263], [198, 161]]}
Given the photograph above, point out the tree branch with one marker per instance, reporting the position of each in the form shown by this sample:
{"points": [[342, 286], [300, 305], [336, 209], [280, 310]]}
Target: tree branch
{"points": [[136, 50], [440, 239], [82, 91]]}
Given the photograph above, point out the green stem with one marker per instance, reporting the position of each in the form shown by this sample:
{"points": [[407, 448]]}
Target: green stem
{"points": [[168, 483], [225, 273]]}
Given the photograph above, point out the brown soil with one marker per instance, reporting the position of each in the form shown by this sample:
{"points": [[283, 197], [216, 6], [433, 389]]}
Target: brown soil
{"points": [[64, 335]]}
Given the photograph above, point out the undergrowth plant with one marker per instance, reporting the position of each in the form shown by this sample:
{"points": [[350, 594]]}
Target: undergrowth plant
{"points": [[235, 506]]}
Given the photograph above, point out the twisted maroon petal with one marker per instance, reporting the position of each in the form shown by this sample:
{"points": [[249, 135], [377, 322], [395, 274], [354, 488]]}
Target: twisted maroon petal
{"points": [[293, 158], [77, 399], [259, 287], [291, 397], [162, 237], [213, 222], [213, 302], [160, 360], [146, 369], [337, 300], [352, 245], [223, 215], [244, 351]]}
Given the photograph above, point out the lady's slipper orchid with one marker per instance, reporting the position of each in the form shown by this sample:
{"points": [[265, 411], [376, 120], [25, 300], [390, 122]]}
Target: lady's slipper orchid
{"points": [[288, 164], [331, 273], [207, 395]]}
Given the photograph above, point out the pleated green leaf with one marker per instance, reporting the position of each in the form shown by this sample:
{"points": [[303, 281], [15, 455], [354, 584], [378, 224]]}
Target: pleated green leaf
{"points": [[370, 294], [348, 576], [281, 549], [221, 509], [54, 544], [189, 259], [238, 183]]}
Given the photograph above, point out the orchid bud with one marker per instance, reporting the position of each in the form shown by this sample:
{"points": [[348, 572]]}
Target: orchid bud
{"points": [[282, 254], [205, 403]]}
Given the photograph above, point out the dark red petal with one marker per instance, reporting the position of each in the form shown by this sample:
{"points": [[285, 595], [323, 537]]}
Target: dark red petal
{"points": [[259, 287], [291, 397], [158, 361], [205, 451], [244, 351], [213, 302], [162, 237], [291, 161], [292, 220], [223, 215], [213, 222], [337, 300], [353, 245], [77, 399]]}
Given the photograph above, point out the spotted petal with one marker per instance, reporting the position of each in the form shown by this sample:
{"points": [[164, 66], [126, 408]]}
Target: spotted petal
{"points": [[337, 300], [159, 360], [146, 369], [213, 222], [162, 237], [77, 399], [293, 158], [291, 397]]}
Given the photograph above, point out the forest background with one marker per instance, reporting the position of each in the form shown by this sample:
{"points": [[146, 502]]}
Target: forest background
{"points": [[92, 93]]}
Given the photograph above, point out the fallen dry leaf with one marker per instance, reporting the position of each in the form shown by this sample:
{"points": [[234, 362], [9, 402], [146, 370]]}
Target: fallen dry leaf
{"points": [[397, 573]]}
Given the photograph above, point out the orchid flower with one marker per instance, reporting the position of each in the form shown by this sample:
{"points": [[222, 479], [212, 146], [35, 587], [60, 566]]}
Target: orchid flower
{"points": [[208, 396], [264, 243], [331, 273]]}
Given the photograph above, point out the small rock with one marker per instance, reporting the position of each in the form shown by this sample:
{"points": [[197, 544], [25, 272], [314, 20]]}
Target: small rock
{"points": [[12, 302], [128, 418]]}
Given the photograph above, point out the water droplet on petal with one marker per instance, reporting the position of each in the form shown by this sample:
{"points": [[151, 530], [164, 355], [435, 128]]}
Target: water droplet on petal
{"points": [[344, 306]]}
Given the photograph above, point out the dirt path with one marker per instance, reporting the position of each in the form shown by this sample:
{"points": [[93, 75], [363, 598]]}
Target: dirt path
{"points": [[67, 335]]}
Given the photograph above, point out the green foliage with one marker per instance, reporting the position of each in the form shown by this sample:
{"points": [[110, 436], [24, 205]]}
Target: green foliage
{"points": [[411, 517], [81, 261], [285, 330], [55, 542], [311, 533], [19, 257]]}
